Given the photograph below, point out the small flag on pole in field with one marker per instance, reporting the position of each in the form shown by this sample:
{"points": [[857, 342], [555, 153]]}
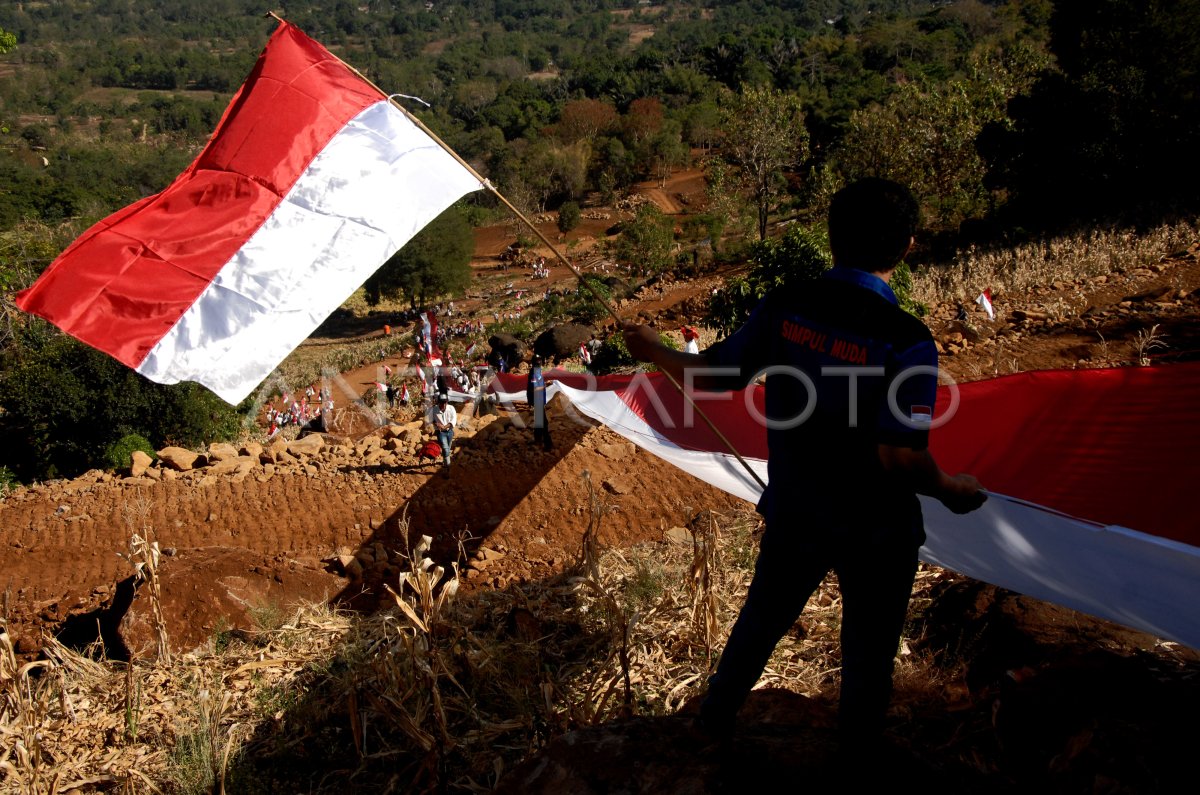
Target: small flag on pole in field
{"points": [[584, 353], [985, 301], [470, 351], [311, 181]]}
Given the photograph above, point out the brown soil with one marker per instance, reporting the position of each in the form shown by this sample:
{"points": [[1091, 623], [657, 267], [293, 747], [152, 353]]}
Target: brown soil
{"points": [[240, 549]]}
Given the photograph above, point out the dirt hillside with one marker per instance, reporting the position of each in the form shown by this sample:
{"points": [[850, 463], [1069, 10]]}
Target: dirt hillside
{"points": [[324, 518], [60, 542]]}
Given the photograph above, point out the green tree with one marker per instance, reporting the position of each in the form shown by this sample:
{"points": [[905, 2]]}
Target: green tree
{"points": [[727, 206], [568, 216], [647, 242], [764, 134], [924, 135], [801, 254], [7, 41], [1114, 130], [668, 151], [436, 262]]}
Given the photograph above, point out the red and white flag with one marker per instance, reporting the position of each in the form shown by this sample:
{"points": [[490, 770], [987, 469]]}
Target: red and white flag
{"points": [[470, 351], [1089, 473], [985, 301], [584, 353], [310, 182]]}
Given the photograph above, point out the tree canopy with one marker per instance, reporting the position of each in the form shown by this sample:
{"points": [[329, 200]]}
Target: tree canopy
{"points": [[764, 133], [436, 262]]}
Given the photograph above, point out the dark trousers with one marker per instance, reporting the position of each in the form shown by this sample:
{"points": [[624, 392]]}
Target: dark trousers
{"points": [[875, 575]]}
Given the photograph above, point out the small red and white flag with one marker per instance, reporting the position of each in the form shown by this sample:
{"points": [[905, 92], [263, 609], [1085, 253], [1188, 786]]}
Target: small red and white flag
{"points": [[584, 353], [312, 179], [985, 301], [470, 351]]}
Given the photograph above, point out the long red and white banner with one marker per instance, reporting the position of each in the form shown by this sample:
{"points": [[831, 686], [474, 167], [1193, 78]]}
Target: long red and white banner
{"points": [[1090, 475], [312, 180]]}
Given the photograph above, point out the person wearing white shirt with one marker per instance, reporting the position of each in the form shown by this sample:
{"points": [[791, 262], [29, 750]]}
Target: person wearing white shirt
{"points": [[443, 417]]}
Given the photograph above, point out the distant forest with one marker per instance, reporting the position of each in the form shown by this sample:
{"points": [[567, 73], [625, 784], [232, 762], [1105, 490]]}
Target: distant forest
{"points": [[1008, 118]]}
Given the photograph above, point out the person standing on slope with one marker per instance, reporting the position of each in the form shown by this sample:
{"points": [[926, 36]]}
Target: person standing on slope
{"points": [[444, 417], [850, 387], [535, 396]]}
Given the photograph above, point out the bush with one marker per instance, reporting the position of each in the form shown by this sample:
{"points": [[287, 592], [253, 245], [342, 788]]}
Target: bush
{"points": [[66, 405], [647, 241], [568, 216], [613, 354], [902, 285], [8, 481], [801, 254], [119, 454], [587, 307]]}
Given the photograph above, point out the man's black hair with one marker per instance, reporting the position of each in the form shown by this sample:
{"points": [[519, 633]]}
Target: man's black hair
{"points": [[871, 223]]}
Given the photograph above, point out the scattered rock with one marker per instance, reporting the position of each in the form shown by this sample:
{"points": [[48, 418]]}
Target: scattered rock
{"points": [[1152, 294], [140, 462], [253, 449], [221, 451], [178, 458], [617, 451], [616, 486], [132, 481], [308, 446], [238, 465]]}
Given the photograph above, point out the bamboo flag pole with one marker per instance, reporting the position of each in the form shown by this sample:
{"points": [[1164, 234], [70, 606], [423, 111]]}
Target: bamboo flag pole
{"points": [[557, 253]]}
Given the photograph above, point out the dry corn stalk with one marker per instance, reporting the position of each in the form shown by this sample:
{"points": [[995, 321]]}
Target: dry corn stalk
{"points": [[407, 677], [706, 562], [144, 555]]}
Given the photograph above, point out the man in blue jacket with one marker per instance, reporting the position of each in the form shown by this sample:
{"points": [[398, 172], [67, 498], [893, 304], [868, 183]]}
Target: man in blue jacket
{"points": [[851, 381]]}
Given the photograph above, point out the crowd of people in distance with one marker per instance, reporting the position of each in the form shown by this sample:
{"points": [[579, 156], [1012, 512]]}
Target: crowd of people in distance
{"points": [[438, 373], [305, 410]]}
